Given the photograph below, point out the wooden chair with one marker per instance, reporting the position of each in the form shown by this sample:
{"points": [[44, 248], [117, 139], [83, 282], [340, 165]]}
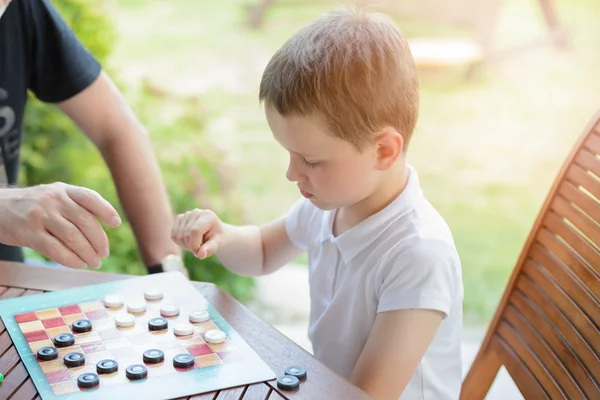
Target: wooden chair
{"points": [[546, 331]]}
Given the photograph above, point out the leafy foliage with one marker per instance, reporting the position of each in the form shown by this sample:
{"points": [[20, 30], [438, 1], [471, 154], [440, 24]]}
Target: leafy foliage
{"points": [[54, 149]]}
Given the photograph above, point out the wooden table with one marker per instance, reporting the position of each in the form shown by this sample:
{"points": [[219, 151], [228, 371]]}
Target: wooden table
{"points": [[275, 349]]}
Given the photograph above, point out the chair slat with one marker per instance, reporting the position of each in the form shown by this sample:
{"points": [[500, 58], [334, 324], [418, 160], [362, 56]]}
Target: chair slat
{"points": [[570, 285], [524, 379], [553, 291], [583, 201], [585, 227], [513, 339], [576, 242], [568, 331], [550, 334], [578, 177], [586, 275], [543, 353], [592, 143], [588, 161]]}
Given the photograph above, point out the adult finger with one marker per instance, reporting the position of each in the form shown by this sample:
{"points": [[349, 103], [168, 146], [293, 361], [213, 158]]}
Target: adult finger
{"points": [[48, 246], [88, 225], [95, 204], [72, 238]]}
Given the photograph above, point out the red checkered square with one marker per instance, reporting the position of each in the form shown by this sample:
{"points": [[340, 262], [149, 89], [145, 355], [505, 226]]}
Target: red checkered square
{"points": [[199, 350], [27, 317], [53, 322], [68, 310], [35, 336], [58, 376]]}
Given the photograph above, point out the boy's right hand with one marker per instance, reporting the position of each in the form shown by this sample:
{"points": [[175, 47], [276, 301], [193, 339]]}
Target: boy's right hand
{"points": [[198, 231]]}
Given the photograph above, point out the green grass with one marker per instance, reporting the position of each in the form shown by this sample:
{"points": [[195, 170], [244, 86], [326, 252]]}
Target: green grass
{"points": [[486, 150]]}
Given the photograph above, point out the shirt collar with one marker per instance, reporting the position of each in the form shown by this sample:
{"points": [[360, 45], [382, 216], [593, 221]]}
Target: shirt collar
{"points": [[362, 235]]}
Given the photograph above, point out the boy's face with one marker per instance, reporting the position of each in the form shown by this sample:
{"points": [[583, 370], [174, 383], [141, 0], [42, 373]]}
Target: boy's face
{"points": [[331, 172]]}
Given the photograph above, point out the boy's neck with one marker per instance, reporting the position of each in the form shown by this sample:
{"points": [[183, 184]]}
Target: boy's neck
{"points": [[389, 188]]}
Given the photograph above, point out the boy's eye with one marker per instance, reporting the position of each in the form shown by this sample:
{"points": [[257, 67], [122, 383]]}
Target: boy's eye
{"points": [[310, 164]]}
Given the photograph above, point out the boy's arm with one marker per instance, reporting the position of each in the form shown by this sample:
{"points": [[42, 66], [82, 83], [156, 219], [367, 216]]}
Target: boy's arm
{"points": [[253, 250], [396, 344]]}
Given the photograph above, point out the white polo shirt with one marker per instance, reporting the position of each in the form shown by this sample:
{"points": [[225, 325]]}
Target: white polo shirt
{"points": [[399, 258]]}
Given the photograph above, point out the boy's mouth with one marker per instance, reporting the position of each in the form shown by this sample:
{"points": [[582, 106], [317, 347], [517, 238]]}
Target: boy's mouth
{"points": [[306, 194]]}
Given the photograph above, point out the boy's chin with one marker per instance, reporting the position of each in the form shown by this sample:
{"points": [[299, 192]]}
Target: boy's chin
{"points": [[322, 205]]}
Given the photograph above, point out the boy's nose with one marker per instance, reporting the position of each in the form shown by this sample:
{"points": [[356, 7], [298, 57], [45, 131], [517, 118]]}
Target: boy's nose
{"points": [[292, 174]]}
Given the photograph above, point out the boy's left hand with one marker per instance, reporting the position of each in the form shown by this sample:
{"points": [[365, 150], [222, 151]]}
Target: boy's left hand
{"points": [[393, 350]]}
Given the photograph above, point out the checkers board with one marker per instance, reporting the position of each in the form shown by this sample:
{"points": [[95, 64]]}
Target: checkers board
{"points": [[216, 356]]}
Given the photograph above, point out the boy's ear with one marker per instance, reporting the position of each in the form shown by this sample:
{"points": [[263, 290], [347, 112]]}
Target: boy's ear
{"points": [[389, 146]]}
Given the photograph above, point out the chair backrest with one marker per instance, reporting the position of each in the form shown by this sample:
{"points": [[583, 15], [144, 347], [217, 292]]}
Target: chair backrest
{"points": [[546, 331]]}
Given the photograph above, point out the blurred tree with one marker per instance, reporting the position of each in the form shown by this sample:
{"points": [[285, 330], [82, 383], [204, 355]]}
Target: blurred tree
{"points": [[54, 149]]}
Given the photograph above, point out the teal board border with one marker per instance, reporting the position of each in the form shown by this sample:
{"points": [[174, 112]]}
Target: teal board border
{"points": [[179, 384]]}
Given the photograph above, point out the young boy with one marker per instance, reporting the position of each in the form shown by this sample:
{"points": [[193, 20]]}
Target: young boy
{"points": [[385, 279]]}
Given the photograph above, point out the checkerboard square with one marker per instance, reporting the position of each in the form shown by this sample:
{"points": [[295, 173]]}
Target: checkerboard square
{"points": [[52, 332], [48, 314], [222, 347], [64, 388], [96, 314], [195, 366], [207, 361], [31, 326], [88, 367], [111, 379], [66, 350], [110, 334], [58, 376], [94, 358], [93, 347], [87, 337], [189, 342], [69, 319], [27, 317], [123, 352], [91, 306], [103, 324], [115, 378], [49, 367], [116, 343], [231, 356], [53, 322], [168, 344], [35, 346], [204, 326], [140, 339], [69, 310], [199, 350], [35, 336]]}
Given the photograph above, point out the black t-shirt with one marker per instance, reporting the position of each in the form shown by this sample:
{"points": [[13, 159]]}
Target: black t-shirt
{"points": [[40, 53]]}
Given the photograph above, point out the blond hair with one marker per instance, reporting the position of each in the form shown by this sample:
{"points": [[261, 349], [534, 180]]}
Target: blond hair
{"points": [[350, 67]]}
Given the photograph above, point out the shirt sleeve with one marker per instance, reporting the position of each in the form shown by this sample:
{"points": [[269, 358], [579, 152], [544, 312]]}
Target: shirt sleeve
{"points": [[60, 66], [425, 275], [297, 223]]}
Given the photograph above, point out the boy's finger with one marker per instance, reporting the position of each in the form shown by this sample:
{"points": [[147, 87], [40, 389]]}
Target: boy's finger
{"points": [[207, 249]]}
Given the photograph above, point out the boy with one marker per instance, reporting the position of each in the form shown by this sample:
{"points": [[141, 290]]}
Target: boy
{"points": [[341, 97]]}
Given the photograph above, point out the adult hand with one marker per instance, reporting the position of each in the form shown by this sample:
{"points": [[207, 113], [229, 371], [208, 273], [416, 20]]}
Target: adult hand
{"points": [[59, 221]]}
